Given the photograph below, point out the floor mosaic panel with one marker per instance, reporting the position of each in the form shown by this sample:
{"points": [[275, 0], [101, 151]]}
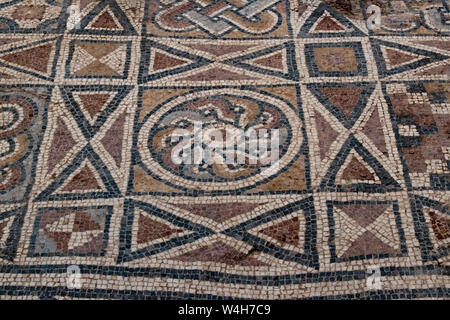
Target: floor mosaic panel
{"points": [[93, 205]]}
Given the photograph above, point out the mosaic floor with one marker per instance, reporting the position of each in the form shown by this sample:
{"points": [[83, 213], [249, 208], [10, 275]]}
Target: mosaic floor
{"points": [[90, 92]]}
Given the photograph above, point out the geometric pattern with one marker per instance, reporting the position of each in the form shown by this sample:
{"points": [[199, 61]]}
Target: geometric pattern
{"points": [[427, 163], [35, 58], [149, 170], [91, 93], [90, 174], [106, 58], [335, 59], [324, 22], [31, 16], [71, 231], [432, 225], [151, 230], [196, 62], [217, 178], [363, 230], [347, 125], [104, 18], [395, 58]]}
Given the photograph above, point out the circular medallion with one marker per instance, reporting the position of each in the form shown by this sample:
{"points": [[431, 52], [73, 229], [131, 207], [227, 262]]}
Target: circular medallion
{"points": [[221, 139], [15, 115]]}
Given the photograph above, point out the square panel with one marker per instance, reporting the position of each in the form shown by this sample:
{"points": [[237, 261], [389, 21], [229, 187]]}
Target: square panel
{"points": [[351, 142], [365, 229], [27, 16], [163, 111], [98, 59], [71, 231], [336, 59], [74, 232], [86, 148], [343, 59]]}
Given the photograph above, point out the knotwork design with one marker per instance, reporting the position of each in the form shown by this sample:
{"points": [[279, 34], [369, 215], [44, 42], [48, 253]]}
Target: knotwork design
{"points": [[218, 17]]}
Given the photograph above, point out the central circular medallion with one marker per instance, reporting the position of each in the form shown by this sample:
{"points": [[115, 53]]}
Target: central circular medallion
{"points": [[220, 139]]}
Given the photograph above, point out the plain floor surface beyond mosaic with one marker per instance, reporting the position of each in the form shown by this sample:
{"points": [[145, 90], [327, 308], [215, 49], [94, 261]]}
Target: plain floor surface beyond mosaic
{"points": [[93, 206]]}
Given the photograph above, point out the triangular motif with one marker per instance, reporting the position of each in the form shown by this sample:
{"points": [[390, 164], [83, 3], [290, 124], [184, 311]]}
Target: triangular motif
{"points": [[275, 61], [81, 58], [35, 58], [345, 101], [347, 230], [92, 104], [356, 170], [148, 229], [62, 142], [433, 212], [86, 176], [325, 22], [373, 129], [335, 178], [115, 60], [285, 232], [83, 180], [385, 230], [368, 244], [394, 58], [326, 134], [162, 61], [364, 214], [151, 230], [106, 18]]}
